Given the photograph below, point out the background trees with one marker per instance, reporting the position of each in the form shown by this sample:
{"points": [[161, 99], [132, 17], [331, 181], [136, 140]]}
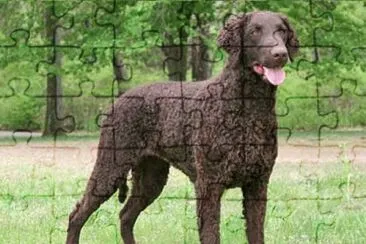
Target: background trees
{"points": [[63, 62]]}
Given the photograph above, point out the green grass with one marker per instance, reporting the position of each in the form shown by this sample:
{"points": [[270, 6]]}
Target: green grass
{"points": [[314, 203]]}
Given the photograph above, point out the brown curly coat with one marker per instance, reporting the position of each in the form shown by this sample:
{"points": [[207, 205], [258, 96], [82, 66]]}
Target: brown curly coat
{"points": [[221, 133]]}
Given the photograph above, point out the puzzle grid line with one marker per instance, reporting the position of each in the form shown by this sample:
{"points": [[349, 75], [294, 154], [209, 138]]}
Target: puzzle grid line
{"points": [[91, 60]]}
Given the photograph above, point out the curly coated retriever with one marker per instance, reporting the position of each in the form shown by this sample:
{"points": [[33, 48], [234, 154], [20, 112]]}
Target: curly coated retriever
{"points": [[220, 132]]}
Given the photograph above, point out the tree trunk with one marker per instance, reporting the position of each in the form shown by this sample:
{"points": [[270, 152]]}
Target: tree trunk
{"points": [[118, 70], [175, 62], [201, 67], [54, 110]]}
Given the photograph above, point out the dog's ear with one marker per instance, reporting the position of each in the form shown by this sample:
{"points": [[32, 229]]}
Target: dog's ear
{"points": [[292, 43], [231, 35]]}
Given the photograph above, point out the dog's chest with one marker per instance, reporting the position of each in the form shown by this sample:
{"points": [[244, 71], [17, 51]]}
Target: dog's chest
{"points": [[238, 122], [234, 165], [239, 139]]}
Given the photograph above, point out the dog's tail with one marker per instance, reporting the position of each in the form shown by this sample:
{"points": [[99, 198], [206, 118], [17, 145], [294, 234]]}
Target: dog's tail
{"points": [[122, 193]]}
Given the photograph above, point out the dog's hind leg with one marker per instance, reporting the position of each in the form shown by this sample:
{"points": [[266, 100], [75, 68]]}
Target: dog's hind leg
{"points": [[148, 181], [106, 177], [85, 207]]}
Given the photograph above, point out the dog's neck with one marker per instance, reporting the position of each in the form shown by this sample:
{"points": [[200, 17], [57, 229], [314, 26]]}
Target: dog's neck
{"points": [[241, 81]]}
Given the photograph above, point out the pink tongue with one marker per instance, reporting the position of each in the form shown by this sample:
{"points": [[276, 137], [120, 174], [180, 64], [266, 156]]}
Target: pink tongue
{"points": [[274, 76]]}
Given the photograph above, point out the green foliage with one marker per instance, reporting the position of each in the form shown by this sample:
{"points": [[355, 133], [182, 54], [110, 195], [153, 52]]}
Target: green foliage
{"points": [[140, 29], [20, 112]]}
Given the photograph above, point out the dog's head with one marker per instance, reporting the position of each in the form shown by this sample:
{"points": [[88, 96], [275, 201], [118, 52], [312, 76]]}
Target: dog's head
{"points": [[262, 41]]}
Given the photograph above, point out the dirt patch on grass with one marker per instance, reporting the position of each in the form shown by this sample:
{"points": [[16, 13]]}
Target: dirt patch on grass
{"points": [[83, 153]]}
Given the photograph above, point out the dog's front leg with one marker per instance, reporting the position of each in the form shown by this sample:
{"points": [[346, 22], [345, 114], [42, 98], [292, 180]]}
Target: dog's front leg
{"points": [[254, 210], [208, 211]]}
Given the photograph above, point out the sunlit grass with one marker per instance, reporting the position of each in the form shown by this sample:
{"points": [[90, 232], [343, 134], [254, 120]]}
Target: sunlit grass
{"points": [[314, 202]]}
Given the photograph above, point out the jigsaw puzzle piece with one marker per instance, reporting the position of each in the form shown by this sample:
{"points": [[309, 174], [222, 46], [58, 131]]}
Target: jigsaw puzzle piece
{"points": [[80, 24], [303, 142], [97, 60], [294, 112], [19, 111], [188, 122], [322, 11], [35, 81], [136, 104], [25, 68], [173, 39], [358, 149], [83, 65], [187, 119], [312, 98], [65, 56], [16, 13], [22, 122], [30, 48]]}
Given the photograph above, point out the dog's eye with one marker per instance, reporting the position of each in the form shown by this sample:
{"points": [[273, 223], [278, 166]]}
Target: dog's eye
{"points": [[256, 31], [282, 31]]}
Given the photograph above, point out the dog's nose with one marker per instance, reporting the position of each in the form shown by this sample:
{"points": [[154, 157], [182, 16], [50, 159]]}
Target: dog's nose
{"points": [[279, 53]]}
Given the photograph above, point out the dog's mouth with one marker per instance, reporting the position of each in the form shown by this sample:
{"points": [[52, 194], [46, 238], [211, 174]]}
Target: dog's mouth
{"points": [[275, 75]]}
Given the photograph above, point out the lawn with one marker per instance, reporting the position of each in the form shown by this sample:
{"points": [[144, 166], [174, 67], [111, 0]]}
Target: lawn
{"points": [[308, 203]]}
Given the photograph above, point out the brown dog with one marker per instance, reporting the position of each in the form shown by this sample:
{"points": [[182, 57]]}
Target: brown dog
{"points": [[221, 133]]}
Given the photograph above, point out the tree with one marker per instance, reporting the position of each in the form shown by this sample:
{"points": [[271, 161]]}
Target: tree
{"points": [[54, 105], [177, 21], [175, 17], [201, 67], [118, 70]]}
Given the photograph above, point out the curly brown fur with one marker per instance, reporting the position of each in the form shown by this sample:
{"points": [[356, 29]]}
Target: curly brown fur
{"points": [[220, 132]]}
